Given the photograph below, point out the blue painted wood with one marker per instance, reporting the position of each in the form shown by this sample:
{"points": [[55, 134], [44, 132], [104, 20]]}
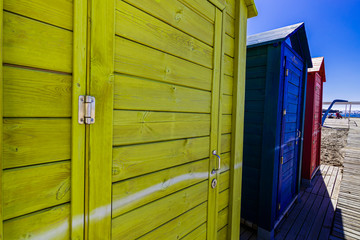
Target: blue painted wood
{"points": [[268, 134]]}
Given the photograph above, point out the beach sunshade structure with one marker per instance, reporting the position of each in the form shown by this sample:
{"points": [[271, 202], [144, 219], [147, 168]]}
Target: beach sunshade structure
{"points": [[276, 69], [313, 114], [117, 118]]}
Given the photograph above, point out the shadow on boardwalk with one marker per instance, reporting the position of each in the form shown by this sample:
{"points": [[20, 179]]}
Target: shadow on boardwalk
{"points": [[311, 217]]}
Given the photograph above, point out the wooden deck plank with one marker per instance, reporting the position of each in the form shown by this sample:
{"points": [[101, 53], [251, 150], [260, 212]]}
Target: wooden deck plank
{"points": [[316, 228], [304, 231], [326, 228], [289, 221], [296, 227]]}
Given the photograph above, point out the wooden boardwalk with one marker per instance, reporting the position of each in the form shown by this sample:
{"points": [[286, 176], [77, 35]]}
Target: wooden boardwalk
{"points": [[312, 215], [347, 216]]}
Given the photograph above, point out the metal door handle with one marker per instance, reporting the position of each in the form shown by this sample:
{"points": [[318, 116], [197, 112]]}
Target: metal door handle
{"points": [[298, 133], [219, 161]]}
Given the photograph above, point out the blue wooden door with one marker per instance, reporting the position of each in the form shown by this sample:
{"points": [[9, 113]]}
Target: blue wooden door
{"points": [[290, 133]]}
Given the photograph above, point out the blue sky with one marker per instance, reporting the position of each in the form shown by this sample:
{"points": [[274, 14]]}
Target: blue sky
{"points": [[333, 31]]}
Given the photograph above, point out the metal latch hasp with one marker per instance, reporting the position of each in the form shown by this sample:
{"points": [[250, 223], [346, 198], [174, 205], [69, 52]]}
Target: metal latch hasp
{"points": [[86, 110]]}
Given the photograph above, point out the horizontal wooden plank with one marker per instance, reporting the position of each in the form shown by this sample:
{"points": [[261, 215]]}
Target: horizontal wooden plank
{"points": [[58, 13], [34, 44], [225, 143], [223, 180], [223, 201], [226, 103], [203, 8], [229, 45], [256, 61], [53, 223], [33, 141], [227, 85], [258, 73], [229, 25], [254, 118], [254, 95], [141, 94], [178, 15], [225, 162], [143, 126], [228, 66], [136, 192], [255, 106], [255, 83], [222, 218], [138, 26], [226, 124], [138, 60], [135, 160], [222, 233], [181, 225], [253, 128], [30, 93], [261, 50], [34, 188], [131, 226], [198, 234], [230, 7]]}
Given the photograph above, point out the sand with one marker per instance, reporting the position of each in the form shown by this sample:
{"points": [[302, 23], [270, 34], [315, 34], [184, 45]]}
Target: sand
{"points": [[332, 142]]}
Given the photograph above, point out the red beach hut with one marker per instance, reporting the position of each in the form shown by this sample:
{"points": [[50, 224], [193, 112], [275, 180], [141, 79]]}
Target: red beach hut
{"points": [[312, 135]]}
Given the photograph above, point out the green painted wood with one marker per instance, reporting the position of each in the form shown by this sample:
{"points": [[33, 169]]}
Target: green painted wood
{"points": [[1, 118]]}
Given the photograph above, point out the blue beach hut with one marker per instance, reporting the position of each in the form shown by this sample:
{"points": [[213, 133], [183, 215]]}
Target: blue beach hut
{"points": [[276, 71]]}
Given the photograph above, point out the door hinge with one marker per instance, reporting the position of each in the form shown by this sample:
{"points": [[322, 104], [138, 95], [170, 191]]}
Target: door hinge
{"points": [[284, 112], [86, 113], [282, 160], [279, 206], [287, 72]]}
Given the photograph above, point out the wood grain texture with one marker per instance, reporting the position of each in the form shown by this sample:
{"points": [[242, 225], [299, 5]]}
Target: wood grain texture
{"points": [[178, 15], [135, 160], [229, 66], [226, 124], [31, 93], [229, 26], [223, 233], [101, 86], [238, 120], [130, 225], [34, 188], [223, 218], [80, 69], [34, 44], [30, 141], [224, 181], [226, 104], [203, 8], [225, 143], [229, 44], [58, 13], [180, 226], [227, 85], [52, 223], [135, 192], [142, 126], [198, 234], [138, 26], [215, 131], [138, 60], [141, 94], [1, 118]]}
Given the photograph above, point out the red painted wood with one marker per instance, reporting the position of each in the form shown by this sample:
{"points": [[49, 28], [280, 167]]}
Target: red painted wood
{"points": [[313, 114]]}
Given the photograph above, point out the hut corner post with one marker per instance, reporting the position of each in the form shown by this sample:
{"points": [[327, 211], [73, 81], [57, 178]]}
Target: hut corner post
{"points": [[238, 120], [302, 126], [1, 115]]}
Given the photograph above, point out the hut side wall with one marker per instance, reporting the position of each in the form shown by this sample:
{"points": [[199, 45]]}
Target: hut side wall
{"points": [[256, 65]]}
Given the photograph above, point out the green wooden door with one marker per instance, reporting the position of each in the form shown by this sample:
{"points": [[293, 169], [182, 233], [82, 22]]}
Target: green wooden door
{"points": [[164, 75], [155, 72], [42, 145]]}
